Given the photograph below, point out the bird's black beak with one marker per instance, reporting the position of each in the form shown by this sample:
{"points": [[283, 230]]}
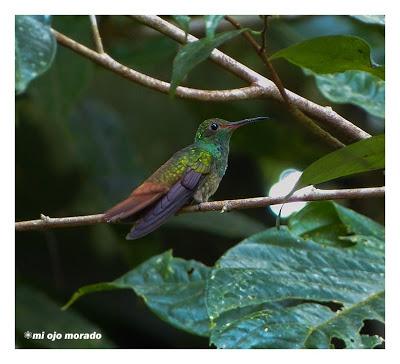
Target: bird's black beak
{"points": [[237, 124]]}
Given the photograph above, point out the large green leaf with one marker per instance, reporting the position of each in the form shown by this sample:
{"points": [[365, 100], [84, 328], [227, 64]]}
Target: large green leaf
{"points": [[35, 48], [274, 287], [371, 19], [35, 312], [332, 54], [171, 287], [354, 87], [233, 224], [190, 55], [363, 156]]}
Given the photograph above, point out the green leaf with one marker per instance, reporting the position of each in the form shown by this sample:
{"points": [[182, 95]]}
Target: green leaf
{"points": [[183, 21], [371, 19], [232, 224], [35, 47], [55, 96], [333, 224], [190, 55], [274, 287], [172, 288], [347, 323], [211, 23], [363, 156], [354, 87], [321, 222], [332, 54], [35, 312]]}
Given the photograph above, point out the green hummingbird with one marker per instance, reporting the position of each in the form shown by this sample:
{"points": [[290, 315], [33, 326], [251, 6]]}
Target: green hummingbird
{"points": [[193, 173]]}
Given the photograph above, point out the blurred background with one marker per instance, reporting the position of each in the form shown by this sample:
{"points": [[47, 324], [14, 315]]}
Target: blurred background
{"points": [[86, 137]]}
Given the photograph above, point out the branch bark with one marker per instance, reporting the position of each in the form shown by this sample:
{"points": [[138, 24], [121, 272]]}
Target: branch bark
{"points": [[96, 34], [259, 85], [226, 205], [111, 64], [296, 112], [323, 114]]}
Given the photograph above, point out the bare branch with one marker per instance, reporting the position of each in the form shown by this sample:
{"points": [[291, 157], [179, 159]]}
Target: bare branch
{"points": [[96, 34], [323, 114], [295, 111], [226, 205], [111, 64], [46, 222], [313, 195]]}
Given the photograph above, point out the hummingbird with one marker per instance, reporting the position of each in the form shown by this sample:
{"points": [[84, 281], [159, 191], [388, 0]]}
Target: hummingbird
{"points": [[192, 174]]}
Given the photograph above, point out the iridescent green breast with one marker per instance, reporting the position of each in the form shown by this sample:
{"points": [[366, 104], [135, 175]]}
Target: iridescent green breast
{"points": [[190, 157], [212, 180]]}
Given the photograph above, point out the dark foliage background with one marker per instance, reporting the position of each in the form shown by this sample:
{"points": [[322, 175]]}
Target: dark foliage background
{"points": [[85, 137]]}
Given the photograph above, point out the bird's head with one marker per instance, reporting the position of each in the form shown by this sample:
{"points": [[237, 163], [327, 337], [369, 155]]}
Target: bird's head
{"points": [[219, 130]]}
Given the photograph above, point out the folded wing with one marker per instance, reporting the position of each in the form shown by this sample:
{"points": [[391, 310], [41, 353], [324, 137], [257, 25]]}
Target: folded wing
{"points": [[179, 195], [140, 198]]}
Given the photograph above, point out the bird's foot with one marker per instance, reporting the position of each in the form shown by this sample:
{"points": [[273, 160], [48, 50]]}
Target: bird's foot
{"points": [[225, 208]]}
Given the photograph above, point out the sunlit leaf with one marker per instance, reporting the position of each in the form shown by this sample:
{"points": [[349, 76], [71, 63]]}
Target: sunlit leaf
{"points": [[212, 22], [190, 55], [35, 48], [354, 87], [331, 54], [362, 156], [371, 19], [272, 290], [172, 288]]}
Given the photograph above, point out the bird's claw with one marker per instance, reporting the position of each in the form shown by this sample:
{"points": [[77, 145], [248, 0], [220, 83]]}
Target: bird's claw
{"points": [[225, 208]]}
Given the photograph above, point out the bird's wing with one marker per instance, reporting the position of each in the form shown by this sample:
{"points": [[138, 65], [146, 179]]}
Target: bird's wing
{"points": [[179, 195], [144, 195], [160, 183]]}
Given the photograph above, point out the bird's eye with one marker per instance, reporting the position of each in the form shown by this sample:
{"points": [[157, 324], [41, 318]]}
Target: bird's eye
{"points": [[214, 126]]}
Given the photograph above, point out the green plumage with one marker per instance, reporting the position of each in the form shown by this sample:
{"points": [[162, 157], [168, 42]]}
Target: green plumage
{"points": [[208, 155], [192, 173]]}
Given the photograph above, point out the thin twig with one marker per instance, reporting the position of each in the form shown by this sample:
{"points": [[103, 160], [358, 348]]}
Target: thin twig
{"points": [[226, 205], [96, 34], [111, 64], [294, 110], [264, 33], [321, 113], [260, 86]]}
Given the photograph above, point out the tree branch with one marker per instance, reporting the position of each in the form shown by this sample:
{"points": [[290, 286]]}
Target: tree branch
{"points": [[226, 205], [260, 86], [323, 114], [295, 111], [111, 64], [96, 34]]}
